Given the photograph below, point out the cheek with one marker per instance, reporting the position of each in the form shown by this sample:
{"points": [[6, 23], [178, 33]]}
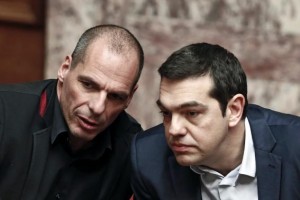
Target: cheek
{"points": [[215, 134], [113, 109], [204, 132], [74, 98]]}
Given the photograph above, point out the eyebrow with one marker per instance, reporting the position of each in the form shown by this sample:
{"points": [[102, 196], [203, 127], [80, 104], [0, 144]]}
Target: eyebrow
{"points": [[87, 78], [184, 105]]}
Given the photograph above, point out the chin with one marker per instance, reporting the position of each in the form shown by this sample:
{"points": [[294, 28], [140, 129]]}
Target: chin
{"points": [[88, 136], [83, 135], [182, 160]]}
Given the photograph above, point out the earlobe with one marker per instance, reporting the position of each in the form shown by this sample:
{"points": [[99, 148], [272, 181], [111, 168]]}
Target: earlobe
{"points": [[236, 108], [64, 68]]}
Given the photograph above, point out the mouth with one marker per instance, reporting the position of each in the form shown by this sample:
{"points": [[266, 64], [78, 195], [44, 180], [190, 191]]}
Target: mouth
{"points": [[180, 148], [87, 124]]}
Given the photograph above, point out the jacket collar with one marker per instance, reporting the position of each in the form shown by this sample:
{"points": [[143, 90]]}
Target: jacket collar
{"points": [[51, 95], [268, 164]]}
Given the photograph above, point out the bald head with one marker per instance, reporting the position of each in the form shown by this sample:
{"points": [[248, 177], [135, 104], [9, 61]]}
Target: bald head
{"points": [[118, 39]]}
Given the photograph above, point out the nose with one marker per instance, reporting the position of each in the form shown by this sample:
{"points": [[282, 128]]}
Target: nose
{"points": [[98, 103], [177, 127]]}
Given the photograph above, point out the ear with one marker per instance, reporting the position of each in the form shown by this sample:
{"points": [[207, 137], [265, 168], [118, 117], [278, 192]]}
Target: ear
{"points": [[235, 109], [131, 94], [64, 68]]}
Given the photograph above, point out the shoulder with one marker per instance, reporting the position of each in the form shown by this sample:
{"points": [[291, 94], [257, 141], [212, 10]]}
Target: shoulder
{"points": [[271, 117], [124, 128], [20, 101], [30, 88], [150, 153], [155, 133], [23, 95], [126, 123], [152, 143], [268, 125]]}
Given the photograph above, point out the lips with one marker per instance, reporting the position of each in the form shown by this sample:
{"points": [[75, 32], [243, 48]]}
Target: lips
{"points": [[87, 124], [180, 148]]}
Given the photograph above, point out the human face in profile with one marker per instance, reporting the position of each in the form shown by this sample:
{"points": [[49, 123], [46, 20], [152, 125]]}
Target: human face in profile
{"points": [[93, 93]]}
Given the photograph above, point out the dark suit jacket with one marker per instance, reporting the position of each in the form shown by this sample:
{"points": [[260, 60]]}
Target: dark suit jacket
{"points": [[276, 137], [25, 142]]}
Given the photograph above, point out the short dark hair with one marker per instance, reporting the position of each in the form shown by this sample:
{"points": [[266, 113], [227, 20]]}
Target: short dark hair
{"points": [[119, 40], [202, 59]]}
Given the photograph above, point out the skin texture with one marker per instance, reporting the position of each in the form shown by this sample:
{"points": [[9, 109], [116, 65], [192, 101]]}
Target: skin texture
{"points": [[195, 129], [93, 93]]}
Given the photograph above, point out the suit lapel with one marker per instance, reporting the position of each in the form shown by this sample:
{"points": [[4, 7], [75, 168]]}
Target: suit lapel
{"points": [[41, 142], [268, 165], [185, 182], [268, 175], [41, 129]]}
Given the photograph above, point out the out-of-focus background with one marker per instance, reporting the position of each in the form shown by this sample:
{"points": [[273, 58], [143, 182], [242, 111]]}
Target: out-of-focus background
{"points": [[36, 35]]}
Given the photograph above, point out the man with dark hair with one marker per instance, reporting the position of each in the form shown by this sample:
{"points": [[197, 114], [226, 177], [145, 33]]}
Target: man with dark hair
{"points": [[212, 145], [70, 138]]}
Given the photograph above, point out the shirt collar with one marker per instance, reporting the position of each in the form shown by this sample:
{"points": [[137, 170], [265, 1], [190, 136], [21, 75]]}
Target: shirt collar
{"points": [[248, 166], [59, 124]]}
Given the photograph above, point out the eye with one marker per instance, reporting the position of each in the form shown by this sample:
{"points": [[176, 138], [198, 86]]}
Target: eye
{"points": [[192, 114], [86, 84], [166, 115], [117, 97]]}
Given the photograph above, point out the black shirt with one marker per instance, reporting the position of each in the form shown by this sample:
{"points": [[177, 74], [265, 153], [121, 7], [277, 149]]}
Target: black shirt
{"points": [[35, 160], [75, 176]]}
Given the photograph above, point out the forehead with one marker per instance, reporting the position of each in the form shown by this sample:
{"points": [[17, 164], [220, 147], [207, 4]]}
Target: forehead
{"points": [[178, 92], [104, 65]]}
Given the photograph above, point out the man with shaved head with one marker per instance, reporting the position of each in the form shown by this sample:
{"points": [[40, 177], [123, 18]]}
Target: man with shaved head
{"points": [[69, 138]]}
